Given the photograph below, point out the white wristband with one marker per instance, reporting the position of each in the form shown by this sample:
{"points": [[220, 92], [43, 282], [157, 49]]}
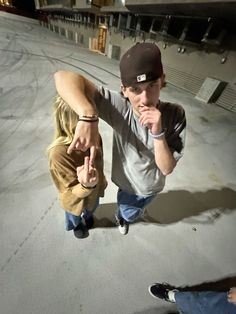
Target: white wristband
{"points": [[157, 136]]}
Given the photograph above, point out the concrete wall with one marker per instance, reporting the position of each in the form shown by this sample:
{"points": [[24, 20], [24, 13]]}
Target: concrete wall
{"points": [[81, 32], [193, 61], [186, 70]]}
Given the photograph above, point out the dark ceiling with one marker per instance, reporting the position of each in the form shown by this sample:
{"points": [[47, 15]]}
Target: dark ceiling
{"points": [[222, 10]]}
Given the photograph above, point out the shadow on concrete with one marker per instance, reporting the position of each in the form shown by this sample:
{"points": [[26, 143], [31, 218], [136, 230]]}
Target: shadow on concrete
{"points": [[173, 206], [220, 285], [159, 310]]}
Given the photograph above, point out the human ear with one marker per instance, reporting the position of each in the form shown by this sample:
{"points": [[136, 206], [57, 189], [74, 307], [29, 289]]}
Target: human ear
{"points": [[124, 90], [163, 80]]}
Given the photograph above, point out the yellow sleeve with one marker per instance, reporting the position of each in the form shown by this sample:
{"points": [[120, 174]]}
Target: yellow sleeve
{"points": [[63, 172], [81, 191]]}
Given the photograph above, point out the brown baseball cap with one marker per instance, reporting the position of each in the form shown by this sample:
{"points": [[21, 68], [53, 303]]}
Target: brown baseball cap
{"points": [[141, 63]]}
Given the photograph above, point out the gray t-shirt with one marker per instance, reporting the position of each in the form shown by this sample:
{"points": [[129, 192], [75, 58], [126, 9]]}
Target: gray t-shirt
{"points": [[133, 162]]}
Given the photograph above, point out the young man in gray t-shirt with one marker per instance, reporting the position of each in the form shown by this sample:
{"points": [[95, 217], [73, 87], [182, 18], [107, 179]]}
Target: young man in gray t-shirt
{"points": [[149, 134]]}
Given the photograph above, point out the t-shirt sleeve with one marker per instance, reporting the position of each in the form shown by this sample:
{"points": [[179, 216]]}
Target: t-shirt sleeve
{"points": [[110, 105], [176, 130]]}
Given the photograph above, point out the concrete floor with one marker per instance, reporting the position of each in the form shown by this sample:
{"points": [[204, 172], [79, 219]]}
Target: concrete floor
{"points": [[187, 238]]}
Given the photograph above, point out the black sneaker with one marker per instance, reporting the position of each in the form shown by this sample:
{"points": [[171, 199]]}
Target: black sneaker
{"points": [[123, 225], [158, 290], [81, 231]]}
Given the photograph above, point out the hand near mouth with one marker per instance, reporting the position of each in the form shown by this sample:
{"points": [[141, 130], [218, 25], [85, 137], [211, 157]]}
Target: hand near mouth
{"points": [[151, 118]]}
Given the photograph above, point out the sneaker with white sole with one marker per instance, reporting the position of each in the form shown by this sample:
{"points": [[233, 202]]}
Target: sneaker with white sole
{"points": [[123, 225], [163, 291]]}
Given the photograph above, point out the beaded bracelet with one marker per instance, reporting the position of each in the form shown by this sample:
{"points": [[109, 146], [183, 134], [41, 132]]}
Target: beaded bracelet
{"points": [[157, 136]]}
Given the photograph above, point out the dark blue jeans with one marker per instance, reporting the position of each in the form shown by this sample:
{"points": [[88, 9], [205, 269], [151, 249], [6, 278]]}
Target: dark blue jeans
{"points": [[208, 302], [72, 221]]}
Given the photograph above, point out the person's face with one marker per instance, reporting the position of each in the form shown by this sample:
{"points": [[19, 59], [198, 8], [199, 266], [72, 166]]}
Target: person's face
{"points": [[143, 94]]}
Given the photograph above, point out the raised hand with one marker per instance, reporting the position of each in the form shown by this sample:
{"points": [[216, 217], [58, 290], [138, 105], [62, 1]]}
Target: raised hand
{"points": [[87, 174], [151, 118], [86, 136]]}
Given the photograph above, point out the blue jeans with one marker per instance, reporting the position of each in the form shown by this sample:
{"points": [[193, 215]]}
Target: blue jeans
{"points": [[131, 206], [208, 302], [72, 221]]}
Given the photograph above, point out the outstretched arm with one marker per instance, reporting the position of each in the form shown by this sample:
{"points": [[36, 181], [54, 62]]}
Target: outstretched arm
{"points": [[79, 93], [73, 88]]}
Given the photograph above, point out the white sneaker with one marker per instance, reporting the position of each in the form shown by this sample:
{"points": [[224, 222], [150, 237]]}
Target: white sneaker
{"points": [[123, 225]]}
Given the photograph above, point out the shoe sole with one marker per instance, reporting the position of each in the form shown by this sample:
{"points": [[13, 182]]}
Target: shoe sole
{"points": [[81, 237]]}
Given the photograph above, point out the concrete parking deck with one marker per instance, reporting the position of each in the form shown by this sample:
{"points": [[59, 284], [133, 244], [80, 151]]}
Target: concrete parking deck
{"points": [[187, 238]]}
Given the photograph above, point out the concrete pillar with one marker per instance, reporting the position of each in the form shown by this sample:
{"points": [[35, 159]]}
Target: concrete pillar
{"points": [[76, 37]]}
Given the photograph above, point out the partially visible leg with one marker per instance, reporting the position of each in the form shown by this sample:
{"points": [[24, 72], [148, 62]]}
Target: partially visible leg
{"points": [[71, 221], [75, 223], [88, 218], [208, 302], [130, 208], [88, 215]]}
